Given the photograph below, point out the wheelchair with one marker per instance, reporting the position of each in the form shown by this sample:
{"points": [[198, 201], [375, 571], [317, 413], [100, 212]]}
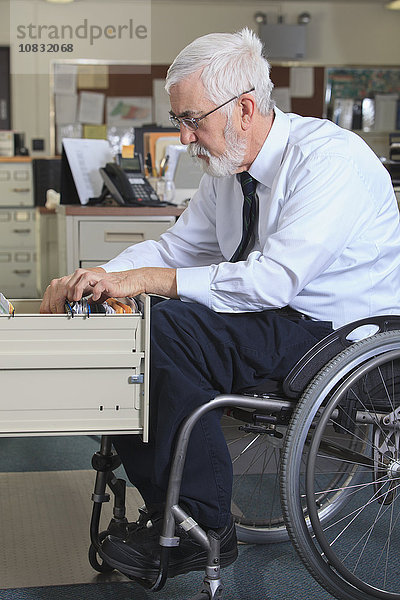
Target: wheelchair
{"points": [[316, 459]]}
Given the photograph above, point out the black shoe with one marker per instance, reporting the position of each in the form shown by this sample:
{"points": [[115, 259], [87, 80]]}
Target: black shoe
{"points": [[123, 529], [139, 555]]}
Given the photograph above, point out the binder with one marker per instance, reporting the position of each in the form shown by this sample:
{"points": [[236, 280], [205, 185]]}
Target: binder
{"points": [[150, 139]]}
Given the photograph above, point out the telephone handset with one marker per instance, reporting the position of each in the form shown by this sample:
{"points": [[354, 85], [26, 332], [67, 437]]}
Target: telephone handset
{"points": [[127, 184]]}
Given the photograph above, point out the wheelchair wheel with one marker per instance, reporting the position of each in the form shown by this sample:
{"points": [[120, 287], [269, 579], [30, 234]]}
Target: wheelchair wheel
{"points": [[349, 415], [256, 503]]}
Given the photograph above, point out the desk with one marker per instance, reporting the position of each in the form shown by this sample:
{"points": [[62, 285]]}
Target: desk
{"points": [[86, 236]]}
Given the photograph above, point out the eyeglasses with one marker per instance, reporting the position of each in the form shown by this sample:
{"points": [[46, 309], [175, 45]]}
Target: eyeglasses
{"points": [[192, 123]]}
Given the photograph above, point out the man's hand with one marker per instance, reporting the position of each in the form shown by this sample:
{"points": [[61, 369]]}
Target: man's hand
{"points": [[58, 290], [102, 285], [150, 280]]}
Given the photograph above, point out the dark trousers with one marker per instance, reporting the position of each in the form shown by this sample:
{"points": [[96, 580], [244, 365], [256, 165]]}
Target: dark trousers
{"points": [[197, 354]]}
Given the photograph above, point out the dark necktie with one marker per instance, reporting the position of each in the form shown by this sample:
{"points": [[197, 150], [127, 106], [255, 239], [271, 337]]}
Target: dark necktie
{"points": [[249, 185]]}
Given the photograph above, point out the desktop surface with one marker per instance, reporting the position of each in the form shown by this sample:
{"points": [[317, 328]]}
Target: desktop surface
{"points": [[118, 211]]}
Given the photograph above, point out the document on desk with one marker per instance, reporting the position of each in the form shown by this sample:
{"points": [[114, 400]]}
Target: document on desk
{"points": [[85, 158]]}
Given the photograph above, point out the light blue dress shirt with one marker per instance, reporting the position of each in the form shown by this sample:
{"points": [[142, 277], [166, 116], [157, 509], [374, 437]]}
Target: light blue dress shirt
{"points": [[328, 238]]}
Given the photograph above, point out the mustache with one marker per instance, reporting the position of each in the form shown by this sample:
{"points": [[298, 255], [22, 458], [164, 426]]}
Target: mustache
{"points": [[194, 148]]}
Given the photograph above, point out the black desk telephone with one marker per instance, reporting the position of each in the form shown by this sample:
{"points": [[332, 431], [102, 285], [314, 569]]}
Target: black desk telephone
{"points": [[127, 184]]}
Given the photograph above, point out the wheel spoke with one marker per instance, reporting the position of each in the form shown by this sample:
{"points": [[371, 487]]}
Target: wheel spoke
{"points": [[346, 422]]}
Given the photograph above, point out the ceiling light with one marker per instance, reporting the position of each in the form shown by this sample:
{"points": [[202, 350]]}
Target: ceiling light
{"points": [[394, 5], [260, 18], [60, 1], [304, 18]]}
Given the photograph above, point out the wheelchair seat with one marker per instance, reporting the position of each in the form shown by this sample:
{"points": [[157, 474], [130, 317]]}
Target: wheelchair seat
{"points": [[325, 350], [318, 356]]}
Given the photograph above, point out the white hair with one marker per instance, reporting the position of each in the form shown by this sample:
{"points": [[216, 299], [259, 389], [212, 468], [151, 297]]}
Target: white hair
{"points": [[230, 64]]}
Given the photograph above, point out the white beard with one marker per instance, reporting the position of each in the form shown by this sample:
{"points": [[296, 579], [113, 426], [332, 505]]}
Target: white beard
{"points": [[226, 164]]}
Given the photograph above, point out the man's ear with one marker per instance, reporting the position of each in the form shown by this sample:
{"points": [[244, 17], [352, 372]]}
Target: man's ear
{"points": [[247, 107]]}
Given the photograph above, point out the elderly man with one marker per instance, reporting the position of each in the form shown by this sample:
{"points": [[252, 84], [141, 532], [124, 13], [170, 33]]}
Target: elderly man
{"points": [[294, 231]]}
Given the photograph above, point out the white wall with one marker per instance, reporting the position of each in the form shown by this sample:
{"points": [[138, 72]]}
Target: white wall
{"points": [[340, 33]]}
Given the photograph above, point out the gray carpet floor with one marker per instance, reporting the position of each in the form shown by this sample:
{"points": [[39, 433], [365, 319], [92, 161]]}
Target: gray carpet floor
{"points": [[45, 489]]}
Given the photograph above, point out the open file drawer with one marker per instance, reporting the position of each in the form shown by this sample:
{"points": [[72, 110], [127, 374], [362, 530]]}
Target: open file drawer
{"points": [[80, 374]]}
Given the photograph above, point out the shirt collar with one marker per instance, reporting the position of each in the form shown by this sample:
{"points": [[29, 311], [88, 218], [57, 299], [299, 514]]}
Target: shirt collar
{"points": [[269, 159]]}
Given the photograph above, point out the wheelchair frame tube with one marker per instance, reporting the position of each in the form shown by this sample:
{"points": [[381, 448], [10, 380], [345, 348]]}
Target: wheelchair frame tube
{"points": [[168, 539], [178, 463]]}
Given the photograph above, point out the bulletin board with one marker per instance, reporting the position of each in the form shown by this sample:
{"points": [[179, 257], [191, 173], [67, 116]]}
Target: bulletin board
{"points": [[362, 82], [311, 101], [118, 84], [364, 98], [125, 92]]}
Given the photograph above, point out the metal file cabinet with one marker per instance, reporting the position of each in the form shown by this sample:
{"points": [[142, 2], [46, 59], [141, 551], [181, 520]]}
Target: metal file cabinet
{"points": [[74, 375], [16, 185], [18, 257], [88, 237]]}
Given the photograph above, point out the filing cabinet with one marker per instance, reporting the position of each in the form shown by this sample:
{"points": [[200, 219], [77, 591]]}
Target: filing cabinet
{"points": [[104, 357], [16, 184], [18, 252], [99, 241], [18, 256], [17, 228], [88, 237]]}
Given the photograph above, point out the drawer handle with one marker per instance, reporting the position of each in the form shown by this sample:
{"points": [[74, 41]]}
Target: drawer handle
{"points": [[21, 190], [129, 237], [22, 271], [21, 230]]}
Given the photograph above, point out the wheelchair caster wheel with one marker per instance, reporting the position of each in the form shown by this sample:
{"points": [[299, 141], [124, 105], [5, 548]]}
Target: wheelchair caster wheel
{"points": [[95, 561]]}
